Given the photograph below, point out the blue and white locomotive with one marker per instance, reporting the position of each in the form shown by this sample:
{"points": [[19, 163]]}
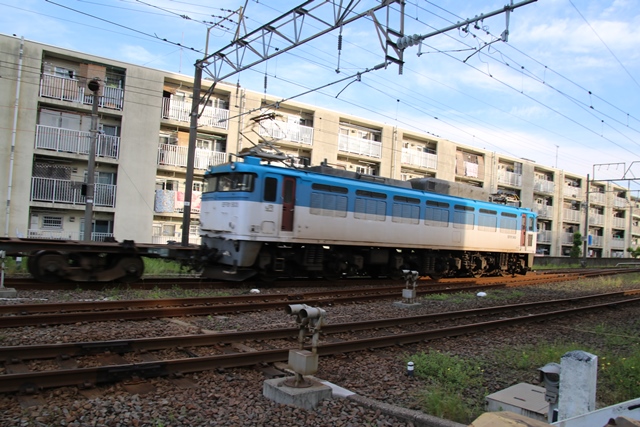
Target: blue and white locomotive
{"points": [[320, 221]]}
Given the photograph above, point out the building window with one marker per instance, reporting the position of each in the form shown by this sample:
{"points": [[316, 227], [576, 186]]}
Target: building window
{"points": [[52, 222]]}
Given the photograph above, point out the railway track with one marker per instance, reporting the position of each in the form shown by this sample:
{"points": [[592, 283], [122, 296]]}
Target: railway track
{"points": [[193, 282], [29, 369], [20, 315]]}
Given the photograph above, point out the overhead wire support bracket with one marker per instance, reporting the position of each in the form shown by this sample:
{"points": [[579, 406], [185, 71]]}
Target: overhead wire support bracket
{"points": [[287, 32], [411, 40]]}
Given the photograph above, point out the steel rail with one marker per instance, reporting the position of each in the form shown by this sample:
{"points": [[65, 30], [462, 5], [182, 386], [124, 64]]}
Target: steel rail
{"points": [[138, 314], [46, 351], [234, 299], [34, 381]]}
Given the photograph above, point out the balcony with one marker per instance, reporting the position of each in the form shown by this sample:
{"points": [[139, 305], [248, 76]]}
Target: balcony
{"points": [[619, 223], [171, 201], [509, 178], [419, 158], [71, 90], [66, 235], [567, 238], [280, 130], [595, 219], [471, 170], [598, 198], [543, 186], [176, 155], [597, 240], [571, 215], [620, 202], [70, 192], [75, 141], [544, 236], [360, 146], [617, 243], [180, 111], [544, 211], [573, 192]]}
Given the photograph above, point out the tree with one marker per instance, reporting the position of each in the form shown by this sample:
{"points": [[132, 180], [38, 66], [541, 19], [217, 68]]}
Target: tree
{"points": [[576, 250], [635, 253]]}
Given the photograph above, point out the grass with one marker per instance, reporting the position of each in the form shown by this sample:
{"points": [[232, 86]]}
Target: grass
{"points": [[12, 268], [455, 387], [448, 380], [152, 267], [160, 267]]}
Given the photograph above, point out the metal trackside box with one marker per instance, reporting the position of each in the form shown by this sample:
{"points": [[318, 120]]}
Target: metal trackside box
{"points": [[303, 362]]}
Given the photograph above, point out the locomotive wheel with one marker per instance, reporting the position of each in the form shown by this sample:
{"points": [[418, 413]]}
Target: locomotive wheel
{"points": [[47, 267], [133, 267]]}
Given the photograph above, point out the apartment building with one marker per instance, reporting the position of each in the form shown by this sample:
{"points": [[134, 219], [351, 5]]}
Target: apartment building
{"points": [[141, 154]]}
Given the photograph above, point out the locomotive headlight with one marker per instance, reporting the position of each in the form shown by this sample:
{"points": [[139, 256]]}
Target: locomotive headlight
{"points": [[232, 225], [233, 166]]}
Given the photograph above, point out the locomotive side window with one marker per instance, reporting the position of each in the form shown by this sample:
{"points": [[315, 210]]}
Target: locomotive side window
{"points": [[436, 214], [270, 189], [532, 224], [371, 194], [508, 223], [329, 188], [235, 182]]}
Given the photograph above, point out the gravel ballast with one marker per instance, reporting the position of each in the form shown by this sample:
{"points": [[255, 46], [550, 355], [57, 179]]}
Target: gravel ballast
{"points": [[233, 397]]}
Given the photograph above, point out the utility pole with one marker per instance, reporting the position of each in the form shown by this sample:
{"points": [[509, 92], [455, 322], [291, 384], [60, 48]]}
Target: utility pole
{"points": [[191, 153], [585, 238], [94, 86]]}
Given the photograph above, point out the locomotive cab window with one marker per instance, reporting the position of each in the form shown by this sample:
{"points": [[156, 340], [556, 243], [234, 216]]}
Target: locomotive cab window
{"points": [[227, 182]]}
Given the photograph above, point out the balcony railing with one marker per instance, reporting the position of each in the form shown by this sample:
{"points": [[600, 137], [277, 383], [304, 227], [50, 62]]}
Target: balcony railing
{"points": [[571, 215], [360, 146], [574, 192], [75, 141], [509, 178], [419, 158], [597, 240], [617, 243], [67, 89], [66, 235], [544, 236], [567, 238], [173, 109], [176, 155], [543, 186], [70, 192], [619, 222], [171, 201], [544, 211], [595, 219], [620, 202], [598, 198], [280, 130]]}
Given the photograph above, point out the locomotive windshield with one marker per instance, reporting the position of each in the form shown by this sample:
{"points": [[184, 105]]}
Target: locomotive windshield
{"points": [[226, 182]]}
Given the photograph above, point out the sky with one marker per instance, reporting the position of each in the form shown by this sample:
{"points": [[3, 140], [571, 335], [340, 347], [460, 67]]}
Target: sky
{"points": [[562, 91]]}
